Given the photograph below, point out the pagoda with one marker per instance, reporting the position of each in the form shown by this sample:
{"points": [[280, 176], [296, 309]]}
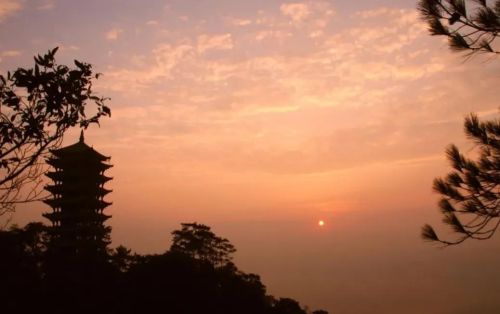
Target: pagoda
{"points": [[77, 199]]}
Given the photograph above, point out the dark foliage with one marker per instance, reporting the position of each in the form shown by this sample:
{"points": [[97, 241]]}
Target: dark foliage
{"points": [[199, 242], [180, 284], [37, 106], [470, 193], [288, 306], [22, 252], [472, 26], [36, 279], [33, 275]]}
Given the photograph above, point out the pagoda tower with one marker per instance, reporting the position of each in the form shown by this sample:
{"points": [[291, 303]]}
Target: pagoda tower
{"points": [[77, 199]]}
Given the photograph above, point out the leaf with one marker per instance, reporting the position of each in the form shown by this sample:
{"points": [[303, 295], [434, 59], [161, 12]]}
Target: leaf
{"points": [[458, 42], [455, 17], [497, 7], [460, 8], [456, 159], [487, 18], [437, 28], [106, 110], [79, 64], [470, 207], [452, 220], [428, 233], [429, 9], [454, 179], [446, 206]]}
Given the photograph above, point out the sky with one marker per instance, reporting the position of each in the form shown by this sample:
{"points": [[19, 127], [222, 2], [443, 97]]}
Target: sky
{"points": [[260, 118]]}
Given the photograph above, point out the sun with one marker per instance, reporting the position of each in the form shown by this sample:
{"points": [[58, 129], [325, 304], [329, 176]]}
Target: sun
{"points": [[321, 223]]}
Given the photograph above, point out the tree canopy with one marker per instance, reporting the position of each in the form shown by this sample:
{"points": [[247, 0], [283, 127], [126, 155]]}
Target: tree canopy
{"points": [[470, 200], [472, 26], [172, 282], [199, 242], [37, 106]]}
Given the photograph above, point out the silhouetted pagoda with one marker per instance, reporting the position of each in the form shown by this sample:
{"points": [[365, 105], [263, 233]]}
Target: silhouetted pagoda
{"points": [[78, 199]]}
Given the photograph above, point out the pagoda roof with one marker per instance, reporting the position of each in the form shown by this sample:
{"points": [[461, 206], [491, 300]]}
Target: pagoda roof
{"points": [[73, 202], [57, 216], [60, 188], [60, 176], [89, 163], [79, 148]]}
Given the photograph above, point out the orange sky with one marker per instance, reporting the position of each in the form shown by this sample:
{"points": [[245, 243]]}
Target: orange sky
{"points": [[261, 118]]}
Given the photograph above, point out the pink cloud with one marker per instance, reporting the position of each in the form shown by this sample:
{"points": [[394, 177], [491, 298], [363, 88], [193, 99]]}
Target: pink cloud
{"points": [[217, 42], [9, 7]]}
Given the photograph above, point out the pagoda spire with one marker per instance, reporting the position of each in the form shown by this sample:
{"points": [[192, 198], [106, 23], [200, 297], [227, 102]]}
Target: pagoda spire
{"points": [[82, 139]]}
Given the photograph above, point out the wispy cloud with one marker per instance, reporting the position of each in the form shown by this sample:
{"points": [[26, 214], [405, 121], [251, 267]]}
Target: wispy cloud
{"points": [[296, 11], [273, 35], [316, 105], [9, 54], [67, 48], [113, 33], [9, 7], [239, 22], [152, 23], [217, 42], [46, 5]]}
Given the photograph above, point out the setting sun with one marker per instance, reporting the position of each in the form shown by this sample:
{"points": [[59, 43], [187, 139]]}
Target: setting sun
{"points": [[321, 223]]}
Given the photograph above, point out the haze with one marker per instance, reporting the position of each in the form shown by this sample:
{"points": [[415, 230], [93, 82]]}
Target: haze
{"points": [[261, 118]]}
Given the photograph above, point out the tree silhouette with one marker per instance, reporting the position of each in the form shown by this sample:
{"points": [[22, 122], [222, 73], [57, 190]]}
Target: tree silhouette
{"points": [[122, 258], [22, 252], [173, 282], [287, 306], [470, 193], [471, 25], [199, 242], [37, 106]]}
